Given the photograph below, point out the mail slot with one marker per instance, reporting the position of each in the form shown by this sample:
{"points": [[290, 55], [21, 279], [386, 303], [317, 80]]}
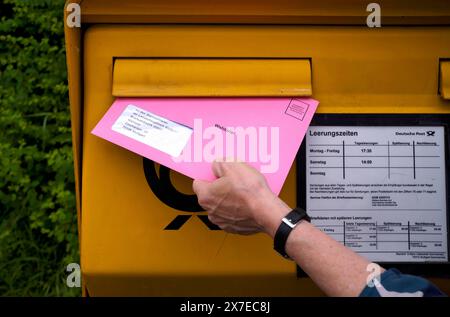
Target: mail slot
{"points": [[445, 79], [271, 49], [181, 77]]}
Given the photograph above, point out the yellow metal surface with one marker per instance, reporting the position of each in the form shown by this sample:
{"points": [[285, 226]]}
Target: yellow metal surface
{"points": [[332, 12], [73, 59], [124, 247], [444, 87], [211, 77]]}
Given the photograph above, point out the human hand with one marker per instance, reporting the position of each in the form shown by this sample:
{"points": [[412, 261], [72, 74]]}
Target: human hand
{"points": [[240, 201]]}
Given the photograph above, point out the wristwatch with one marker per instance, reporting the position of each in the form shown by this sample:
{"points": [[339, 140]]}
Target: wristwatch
{"points": [[288, 223]]}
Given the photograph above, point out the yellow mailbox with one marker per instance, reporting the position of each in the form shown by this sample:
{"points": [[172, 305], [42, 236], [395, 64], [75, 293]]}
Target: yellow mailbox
{"points": [[234, 49]]}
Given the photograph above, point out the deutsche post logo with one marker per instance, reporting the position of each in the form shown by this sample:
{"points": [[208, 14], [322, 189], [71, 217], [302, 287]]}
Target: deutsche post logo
{"points": [[163, 188]]}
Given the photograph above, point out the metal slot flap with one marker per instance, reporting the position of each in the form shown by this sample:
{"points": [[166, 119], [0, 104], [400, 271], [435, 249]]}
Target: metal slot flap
{"points": [[211, 77], [444, 86]]}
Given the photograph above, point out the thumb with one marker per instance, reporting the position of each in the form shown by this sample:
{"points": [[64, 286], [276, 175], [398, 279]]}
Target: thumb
{"points": [[199, 186], [218, 168]]}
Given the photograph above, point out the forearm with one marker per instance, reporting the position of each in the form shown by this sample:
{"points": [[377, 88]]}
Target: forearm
{"points": [[337, 270]]}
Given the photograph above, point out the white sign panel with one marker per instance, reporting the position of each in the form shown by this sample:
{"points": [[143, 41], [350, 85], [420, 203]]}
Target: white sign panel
{"points": [[380, 190]]}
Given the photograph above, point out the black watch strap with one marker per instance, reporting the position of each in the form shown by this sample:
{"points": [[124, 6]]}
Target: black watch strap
{"points": [[287, 224]]}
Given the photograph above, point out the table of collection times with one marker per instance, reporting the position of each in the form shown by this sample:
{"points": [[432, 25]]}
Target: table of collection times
{"points": [[380, 190]]}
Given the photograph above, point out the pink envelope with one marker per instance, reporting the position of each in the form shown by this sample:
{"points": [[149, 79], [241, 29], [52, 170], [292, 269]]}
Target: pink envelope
{"points": [[187, 134]]}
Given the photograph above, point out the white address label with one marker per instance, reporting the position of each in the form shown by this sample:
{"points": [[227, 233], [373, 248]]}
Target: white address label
{"points": [[155, 131]]}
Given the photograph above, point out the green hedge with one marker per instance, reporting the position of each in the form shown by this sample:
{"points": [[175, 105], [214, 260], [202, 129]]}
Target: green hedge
{"points": [[38, 232]]}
